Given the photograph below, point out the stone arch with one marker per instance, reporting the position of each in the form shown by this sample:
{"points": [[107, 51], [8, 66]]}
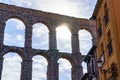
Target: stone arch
{"points": [[65, 66], [63, 37], [11, 69], [19, 52], [42, 29], [69, 58], [42, 69], [44, 54], [67, 24], [12, 37], [45, 22], [85, 41], [89, 25], [16, 16], [90, 31]]}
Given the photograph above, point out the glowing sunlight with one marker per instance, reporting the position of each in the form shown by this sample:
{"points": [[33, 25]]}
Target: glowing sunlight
{"points": [[63, 39], [63, 32]]}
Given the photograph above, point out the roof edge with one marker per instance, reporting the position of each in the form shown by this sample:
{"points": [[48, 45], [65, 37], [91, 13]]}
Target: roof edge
{"points": [[97, 7]]}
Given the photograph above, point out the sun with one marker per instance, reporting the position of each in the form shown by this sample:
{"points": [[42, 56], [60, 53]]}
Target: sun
{"points": [[63, 32]]}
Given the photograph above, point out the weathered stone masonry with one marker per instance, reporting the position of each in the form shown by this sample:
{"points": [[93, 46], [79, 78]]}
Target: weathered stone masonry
{"points": [[30, 17]]}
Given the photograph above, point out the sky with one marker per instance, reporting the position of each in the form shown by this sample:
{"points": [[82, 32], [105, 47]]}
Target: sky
{"points": [[15, 36]]}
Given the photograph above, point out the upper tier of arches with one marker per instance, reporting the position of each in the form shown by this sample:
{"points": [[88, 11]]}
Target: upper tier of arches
{"points": [[30, 17]]}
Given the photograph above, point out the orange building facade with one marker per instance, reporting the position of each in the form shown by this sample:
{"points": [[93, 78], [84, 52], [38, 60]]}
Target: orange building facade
{"points": [[107, 18]]}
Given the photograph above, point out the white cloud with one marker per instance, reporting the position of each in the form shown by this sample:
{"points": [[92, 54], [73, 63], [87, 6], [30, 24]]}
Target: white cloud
{"points": [[64, 45], [64, 64], [11, 67], [15, 23], [63, 39], [85, 39], [39, 30], [84, 34], [14, 40], [40, 36], [77, 8], [19, 38], [39, 68], [14, 33], [18, 24], [64, 69]]}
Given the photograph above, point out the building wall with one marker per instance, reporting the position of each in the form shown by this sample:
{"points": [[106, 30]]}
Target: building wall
{"points": [[111, 28]]}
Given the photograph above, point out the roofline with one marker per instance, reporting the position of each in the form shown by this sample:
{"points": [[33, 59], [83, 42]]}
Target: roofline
{"points": [[97, 7]]}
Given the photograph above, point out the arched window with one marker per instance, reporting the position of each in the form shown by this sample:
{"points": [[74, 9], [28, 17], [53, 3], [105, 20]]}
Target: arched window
{"points": [[85, 41], [63, 39], [11, 67], [64, 69], [39, 69], [14, 33], [40, 36]]}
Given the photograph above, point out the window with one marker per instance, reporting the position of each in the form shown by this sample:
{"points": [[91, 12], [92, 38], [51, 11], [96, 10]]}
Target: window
{"points": [[106, 17], [109, 36], [109, 48], [92, 66], [99, 32], [109, 45]]}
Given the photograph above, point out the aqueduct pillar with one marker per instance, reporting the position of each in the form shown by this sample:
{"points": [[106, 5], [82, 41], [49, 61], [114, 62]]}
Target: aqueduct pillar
{"points": [[26, 70], [28, 37], [52, 40], [2, 28], [52, 72], [75, 43], [1, 66]]}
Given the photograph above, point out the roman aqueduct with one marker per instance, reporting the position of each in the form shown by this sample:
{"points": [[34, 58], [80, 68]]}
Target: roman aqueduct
{"points": [[30, 17]]}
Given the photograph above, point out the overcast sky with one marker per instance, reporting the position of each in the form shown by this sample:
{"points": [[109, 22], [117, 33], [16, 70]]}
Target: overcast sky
{"points": [[15, 36], [76, 8]]}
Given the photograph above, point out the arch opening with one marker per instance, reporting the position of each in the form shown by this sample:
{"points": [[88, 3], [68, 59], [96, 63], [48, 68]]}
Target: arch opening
{"points": [[14, 33], [39, 68], [85, 41], [63, 39], [64, 69], [11, 66], [40, 37]]}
